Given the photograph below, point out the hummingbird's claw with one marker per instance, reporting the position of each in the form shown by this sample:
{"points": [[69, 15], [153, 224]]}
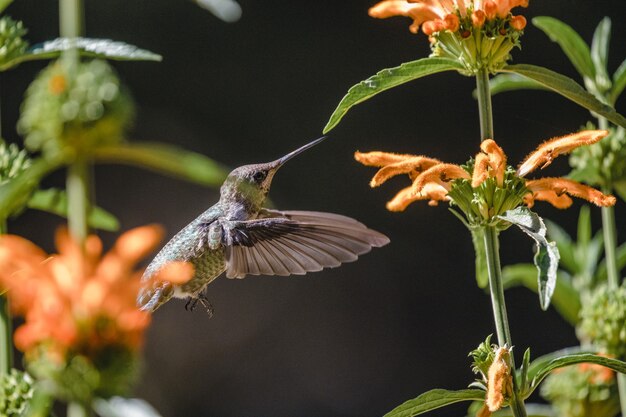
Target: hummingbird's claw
{"points": [[193, 302]]}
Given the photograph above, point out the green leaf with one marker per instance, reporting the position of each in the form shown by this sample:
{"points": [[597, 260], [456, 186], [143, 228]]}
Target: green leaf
{"points": [[434, 399], [565, 300], [570, 42], [565, 245], [620, 261], [532, 410], [166, 159], [15, 193], [619, 82], [510, 82], [523, 373], [92, 48], [542, 361], [4, 4], [584, 226], [600, 54], [55, 201], [482, 277], [389, 78], [124, 407], [573, 359], [568, 88], [546, 253]]}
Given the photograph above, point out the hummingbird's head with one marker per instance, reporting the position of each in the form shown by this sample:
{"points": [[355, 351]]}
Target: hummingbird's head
{"points": [[252, 182]]}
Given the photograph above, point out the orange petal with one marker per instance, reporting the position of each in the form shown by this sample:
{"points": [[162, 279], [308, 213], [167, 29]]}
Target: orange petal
{"points": [[562, 186], [497, 159], [137, 243], [176, 273], [416, 164], [547, 151], [481, 169], [562, 201], [440, 174], [380, 159]]}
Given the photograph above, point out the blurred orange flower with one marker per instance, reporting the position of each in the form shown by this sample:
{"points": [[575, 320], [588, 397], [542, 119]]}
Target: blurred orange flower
{"points": [[438, 15], [432, 179], [79, 301]]}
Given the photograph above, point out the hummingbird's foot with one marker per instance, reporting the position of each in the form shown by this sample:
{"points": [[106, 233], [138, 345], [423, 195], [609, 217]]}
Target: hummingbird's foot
{"points": [[193, 302]]}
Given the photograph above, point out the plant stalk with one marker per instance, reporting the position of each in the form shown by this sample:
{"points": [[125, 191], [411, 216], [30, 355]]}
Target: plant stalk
{"points": [[609, 230], [6, 326], [485, 112], [77, 185], [494, 270], [71, 14], [71, 21]]}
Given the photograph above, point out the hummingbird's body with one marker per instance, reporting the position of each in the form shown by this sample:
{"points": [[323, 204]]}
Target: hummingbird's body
{"points": [[239, 236]]}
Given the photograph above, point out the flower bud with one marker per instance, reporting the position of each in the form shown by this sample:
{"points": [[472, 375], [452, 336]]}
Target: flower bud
{"points": [[518, 22], [478, 18]]}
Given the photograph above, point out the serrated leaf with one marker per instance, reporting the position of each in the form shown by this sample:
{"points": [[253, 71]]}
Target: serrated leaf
{"points": [[482, 276], [573, 359], [619, 82], [165, 159], [568, 88], [510, 82], [546, 253], [92, 48], [124, 407], [600, 53], [389, 78], [566, 246], [4, 4], [15, 193], [55, 201], [434, 399], [565, 300], [570, 42]]}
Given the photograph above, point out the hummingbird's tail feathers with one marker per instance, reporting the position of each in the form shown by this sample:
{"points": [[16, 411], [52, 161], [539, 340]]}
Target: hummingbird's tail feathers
{"points": [[285, 243]]}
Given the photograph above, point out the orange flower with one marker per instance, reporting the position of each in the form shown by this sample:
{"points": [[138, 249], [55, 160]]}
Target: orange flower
{"points": [[433, 179], [550, 149], [438, 15], [78, 301], [499, 383]]}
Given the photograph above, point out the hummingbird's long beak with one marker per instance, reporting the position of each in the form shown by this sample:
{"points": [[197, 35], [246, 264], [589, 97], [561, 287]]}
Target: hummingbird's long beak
{"points": [[279, 162]]}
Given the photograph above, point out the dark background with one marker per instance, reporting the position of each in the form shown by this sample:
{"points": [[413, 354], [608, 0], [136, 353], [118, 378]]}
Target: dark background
{"points": [[354, 341]]}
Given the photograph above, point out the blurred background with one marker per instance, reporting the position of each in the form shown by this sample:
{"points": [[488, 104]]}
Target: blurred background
{"points": [[353, 341]]}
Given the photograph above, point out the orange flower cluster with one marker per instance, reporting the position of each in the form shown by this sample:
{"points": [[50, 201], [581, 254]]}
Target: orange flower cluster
{"points": [[438, 15], [78, 301], [432, 179]]}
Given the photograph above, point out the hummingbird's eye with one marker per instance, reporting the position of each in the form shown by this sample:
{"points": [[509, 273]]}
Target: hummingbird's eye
{"points": [[259, 176]]}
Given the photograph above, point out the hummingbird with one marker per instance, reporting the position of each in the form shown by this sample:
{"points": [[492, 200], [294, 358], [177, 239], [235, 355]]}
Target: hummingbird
{"points": [[239, 236]]}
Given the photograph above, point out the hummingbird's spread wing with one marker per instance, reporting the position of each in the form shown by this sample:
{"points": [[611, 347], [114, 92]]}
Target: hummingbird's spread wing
{"points": [[295, 242]]}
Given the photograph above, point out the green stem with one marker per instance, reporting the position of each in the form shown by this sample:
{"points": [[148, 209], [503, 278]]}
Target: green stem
{"points": [[609, 230], [494, 270], [610, 243], [6, 330], [71, 18], [78, 179], [484, 104], [75, 409]]}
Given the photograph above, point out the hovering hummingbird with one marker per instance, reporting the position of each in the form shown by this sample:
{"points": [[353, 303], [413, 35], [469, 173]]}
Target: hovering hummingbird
{"points": [[238, 235]]}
